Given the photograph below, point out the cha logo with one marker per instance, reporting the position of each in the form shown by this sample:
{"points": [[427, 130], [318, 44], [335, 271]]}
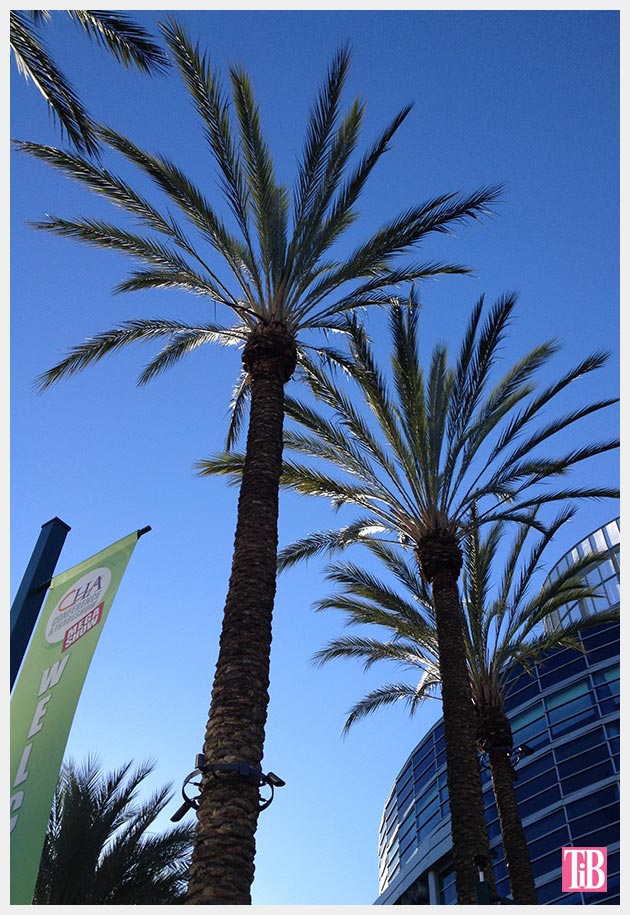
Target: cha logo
{"points": [[80, 608]]}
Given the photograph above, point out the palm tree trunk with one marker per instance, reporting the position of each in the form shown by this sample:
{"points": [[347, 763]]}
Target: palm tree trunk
{"points": [[512, 832], [222, 868], [468, 825]]}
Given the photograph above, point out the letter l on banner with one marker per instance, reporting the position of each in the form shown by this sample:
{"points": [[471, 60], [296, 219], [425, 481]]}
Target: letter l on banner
{"points": [[46, 695]]}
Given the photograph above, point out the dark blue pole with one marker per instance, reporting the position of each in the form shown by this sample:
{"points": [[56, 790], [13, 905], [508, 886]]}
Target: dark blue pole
{"points": [[32, 590]]}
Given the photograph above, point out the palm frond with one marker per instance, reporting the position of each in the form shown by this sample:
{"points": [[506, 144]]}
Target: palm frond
{"points": [[390, 694], [328, 543], [130, 44], [238, 407], [141, 330], [35, 62]]}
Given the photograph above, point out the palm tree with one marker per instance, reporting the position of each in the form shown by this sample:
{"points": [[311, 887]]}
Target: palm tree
{"points": [[99, 849], [504, 609], [418, 464], [130, 44], [287, 284]]}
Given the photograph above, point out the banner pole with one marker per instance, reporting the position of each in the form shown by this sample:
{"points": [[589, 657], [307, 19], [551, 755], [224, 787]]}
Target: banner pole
{"points": [[30, 595]]}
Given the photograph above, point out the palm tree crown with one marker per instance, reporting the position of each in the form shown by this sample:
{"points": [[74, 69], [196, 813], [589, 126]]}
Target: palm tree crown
{"points": [[281, 271], [440, 454], [125, 39], [99, 848], [270, 262]]}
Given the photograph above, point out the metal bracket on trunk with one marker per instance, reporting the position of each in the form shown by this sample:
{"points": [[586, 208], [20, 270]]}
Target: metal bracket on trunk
{"points": [[242, 769]]}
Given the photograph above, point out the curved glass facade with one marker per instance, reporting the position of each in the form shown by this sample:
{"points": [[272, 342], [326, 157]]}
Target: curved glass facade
{"points": [[567, 712]]}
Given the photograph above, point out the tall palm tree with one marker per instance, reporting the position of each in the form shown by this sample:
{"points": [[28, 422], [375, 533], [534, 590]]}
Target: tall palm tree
{"points": [[286, 283], [418, 463], [130, 44], [504, 609], [100, 848]]}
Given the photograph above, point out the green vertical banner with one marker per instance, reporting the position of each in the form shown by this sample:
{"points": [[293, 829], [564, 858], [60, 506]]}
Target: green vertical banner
{"points": [[46, 695]]}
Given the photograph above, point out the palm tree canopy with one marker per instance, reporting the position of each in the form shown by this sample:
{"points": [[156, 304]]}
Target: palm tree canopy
{"points": [[99, 848], [271, 263], [504, 606], [130, 44], [421, 454]]}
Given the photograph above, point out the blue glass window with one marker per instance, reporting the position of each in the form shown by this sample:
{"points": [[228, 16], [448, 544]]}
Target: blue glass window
{"points": [[570, 899], [572, 665], [408, 851], [547, 824], [580, 744], [425, 771], [551, 842], [494, 829], [427, 826], [539, 802], [527, 770], [549, 862], [593, 802], [544, 779], [424, 747], [594, 821], [448, 894], [520, 690], [550, 891], [604, 836], [426, 810], [587, 777], [593, 757], [571, 708]]}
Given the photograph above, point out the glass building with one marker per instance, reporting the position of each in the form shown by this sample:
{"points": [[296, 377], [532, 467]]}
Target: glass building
{"points": [[567, 712]]}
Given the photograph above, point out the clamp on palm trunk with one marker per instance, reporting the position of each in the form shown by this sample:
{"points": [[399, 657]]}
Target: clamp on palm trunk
{"points": [[242, 770]]}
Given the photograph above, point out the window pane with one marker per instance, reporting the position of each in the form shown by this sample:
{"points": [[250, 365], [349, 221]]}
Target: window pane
{"points": [[600, 635], [595, 801], [580, 744], [612, 531], [551, 842], [527, 716], [595, 756], [536, 785], [572, 724], [540, 801], [608, 675], [566, 695], [606, 835], [551, 677], [547, 863], [587, 777], [547, 824], [550, 891], [527, 770]]}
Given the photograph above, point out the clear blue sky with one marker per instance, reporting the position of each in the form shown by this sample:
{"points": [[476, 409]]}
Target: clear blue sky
{"points": [[527, 98]]}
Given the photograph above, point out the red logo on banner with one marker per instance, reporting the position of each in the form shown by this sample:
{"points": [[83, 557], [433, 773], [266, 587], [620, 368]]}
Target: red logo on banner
{"points": [[584, 870], [87, 622]]}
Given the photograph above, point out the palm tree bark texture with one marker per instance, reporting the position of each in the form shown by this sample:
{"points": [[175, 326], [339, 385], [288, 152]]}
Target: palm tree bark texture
{"points": [[495, 736], [440, 559], [222, 868]]}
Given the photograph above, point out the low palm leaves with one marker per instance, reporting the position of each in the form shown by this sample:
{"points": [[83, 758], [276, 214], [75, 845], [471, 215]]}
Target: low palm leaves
{"points": [[125, 39], [100, 848], [271, 263], [505, 607]]}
